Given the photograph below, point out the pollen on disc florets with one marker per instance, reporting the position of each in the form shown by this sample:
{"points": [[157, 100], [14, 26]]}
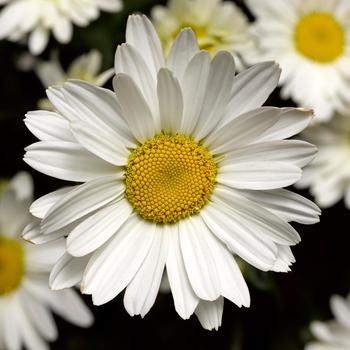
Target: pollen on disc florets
{"points": [[169, 177], [11, 265]]}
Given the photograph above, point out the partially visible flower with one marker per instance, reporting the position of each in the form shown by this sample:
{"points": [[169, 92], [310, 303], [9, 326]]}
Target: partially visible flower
{"points": [[334, 334], [85, 67], [33, 20], [181, 170], [25, 298], [218, 25], [328, 175], [311, 41]]}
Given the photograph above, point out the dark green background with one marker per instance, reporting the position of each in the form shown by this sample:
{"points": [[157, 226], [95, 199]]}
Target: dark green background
{"points": [[282, 304]]}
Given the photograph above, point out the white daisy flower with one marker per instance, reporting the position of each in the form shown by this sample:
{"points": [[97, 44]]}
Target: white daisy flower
{"points": [[25, 298], [218, 25], [328, 176], [85, 67], [310, 39], [181, 169], [33, 20], [334, 334]]}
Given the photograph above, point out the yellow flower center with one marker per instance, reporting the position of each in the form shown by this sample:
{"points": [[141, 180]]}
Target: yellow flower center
{"points": [[11, 265], [169, 178], [320, 37]]}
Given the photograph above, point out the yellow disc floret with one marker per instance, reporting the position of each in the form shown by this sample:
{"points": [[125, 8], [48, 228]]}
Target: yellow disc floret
{"points": [[169, 177], [11, 265], [320, 37]]}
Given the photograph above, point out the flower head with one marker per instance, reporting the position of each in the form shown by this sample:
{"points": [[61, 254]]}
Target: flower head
{"points": [[218, 25], [35, 19], [311, 41], [334, 334], [328, 176], [181, 168], [25, 299]]}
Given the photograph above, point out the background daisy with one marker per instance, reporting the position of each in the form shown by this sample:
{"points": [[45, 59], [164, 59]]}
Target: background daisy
{"points": [[310, 40], [26, 301], [218, 25], [33, 20], [85, 67], [334, 334], [181, 170], [328, 176]]}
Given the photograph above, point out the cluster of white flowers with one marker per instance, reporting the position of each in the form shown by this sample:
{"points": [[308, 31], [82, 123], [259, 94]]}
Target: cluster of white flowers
{"points": [[334, 334], [25, 299], [180, 169], [33, 20]]}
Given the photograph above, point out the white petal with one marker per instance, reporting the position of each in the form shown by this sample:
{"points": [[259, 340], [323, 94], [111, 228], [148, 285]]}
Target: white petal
{"points": [[233, 285], [135, 108], [30, 337], [41, 206], [32, 234], [259, 175], [219, 85], [62, 29], [141, 34], [129, 61], [230, 229], [70, 306], [41, 258], [40, 317], [265, 223], [291, 122], [38, 40], [185, 299], [112, 267], [286, 204], [48, 126], [99, 107], [341, 310], [243, 130], [66, 161], [194, 87], [98, 228], [170, 101], [56, 97], [22, 184], [11, 331], [298, 153], [251, 89], [67, 272], [104, 144], [142, 291], [209, 313], [81, 201], [198, 258], [182, 51]]}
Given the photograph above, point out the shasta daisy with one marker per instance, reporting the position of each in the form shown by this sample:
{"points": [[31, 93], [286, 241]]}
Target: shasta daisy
{"points": [[311, 41], [25, 298], [182, 169]]}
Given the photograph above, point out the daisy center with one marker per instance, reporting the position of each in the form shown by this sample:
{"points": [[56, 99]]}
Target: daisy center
{"points": [[11, 265], [169, 178], [320, 37]]}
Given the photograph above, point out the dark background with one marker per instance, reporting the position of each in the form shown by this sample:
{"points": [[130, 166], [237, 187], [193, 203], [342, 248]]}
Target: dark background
{"points": [[282, 304]]}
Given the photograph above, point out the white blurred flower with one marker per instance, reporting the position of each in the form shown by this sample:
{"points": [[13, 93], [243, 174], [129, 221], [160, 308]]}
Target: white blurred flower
{"points": [[310, 39], [33, 20], [218, 25], [334, 334], [25, 298], [85, 67], [328, 176], [181, 169]]}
